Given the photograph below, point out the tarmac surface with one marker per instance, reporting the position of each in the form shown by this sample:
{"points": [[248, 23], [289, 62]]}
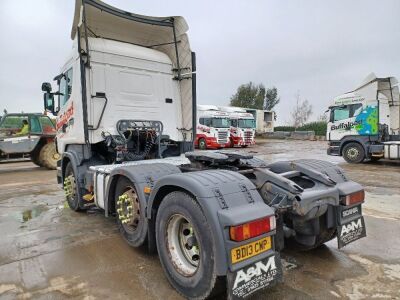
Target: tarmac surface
{"points": [[48, 251]]}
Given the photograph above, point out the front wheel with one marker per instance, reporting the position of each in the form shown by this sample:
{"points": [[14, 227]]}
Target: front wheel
{"points": [[202, 144], [35, 158], [48, 156], [72, 189], [353, 153], [185, 247]]}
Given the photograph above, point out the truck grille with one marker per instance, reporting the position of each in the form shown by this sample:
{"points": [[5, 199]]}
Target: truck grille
{"points": [[222, 137], [248, 137]]}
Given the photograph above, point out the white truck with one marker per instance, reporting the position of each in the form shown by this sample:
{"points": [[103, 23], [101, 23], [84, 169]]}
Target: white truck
{"points": [[212, 128], [364, 124], [126, 114], [242, 126]]}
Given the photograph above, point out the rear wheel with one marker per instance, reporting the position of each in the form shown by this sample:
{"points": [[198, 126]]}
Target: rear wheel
{"points": [[375, 159], [185, 247], [324, 235], [245, 146], [131, 220], [353, 153], [48, 156], [202, 144]]}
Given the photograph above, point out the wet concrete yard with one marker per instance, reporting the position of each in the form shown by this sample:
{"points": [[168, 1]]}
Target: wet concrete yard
{"points": [[47, 251]]}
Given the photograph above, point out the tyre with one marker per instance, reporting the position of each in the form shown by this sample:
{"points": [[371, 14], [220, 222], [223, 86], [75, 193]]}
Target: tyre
{"points": [[353, 153], [202, 144], [244, 146], [35, 158], [325, 235], [131, 219], [375, 159], [48, 156], [185, 247], [231, 143], [72, 189]]}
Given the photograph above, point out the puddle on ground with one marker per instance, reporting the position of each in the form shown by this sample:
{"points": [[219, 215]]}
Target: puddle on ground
{"points": [[31, 213]]}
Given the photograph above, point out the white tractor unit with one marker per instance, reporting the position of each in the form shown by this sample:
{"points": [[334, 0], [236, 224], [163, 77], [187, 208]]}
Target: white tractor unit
{"points": [[212, 128], [126, 126], [365, 124], [242, 126]]}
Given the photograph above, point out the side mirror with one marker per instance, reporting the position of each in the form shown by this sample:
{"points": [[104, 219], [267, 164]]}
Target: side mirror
{"points": [[49, 103], [46, 87]]}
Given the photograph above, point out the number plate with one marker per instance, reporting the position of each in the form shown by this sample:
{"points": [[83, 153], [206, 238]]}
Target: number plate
{"points": [[249, 250]]}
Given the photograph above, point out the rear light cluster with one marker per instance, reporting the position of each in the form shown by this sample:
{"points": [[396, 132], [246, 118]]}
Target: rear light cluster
{"points": [[252, 229], [354, 198]]}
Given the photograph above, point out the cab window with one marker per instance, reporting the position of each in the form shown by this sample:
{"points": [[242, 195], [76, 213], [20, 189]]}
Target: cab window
{"points": [[35, 125], [12, 122], [234, 123], [205, 121], [14, 125], [65, 87], [47, 125], [345, 112]]}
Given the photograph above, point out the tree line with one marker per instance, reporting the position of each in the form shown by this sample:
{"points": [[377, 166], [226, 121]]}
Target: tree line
{"points": [[257, 96]]}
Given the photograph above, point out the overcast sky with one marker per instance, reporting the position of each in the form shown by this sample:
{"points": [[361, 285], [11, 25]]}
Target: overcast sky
{"points": [[319, 48]]}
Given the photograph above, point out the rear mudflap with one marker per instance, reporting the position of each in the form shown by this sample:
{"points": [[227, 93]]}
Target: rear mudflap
{"points": [[351, 225], [254, 277]]}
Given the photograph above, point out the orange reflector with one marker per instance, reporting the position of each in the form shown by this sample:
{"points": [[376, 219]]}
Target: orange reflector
{"points": [[354, 198], [147, 190], [252, 229]]}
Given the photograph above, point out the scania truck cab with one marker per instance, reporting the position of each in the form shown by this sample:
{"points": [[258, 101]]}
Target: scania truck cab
{"points": [[364, 124], [212, 128], [242, 126], [126, 125]]}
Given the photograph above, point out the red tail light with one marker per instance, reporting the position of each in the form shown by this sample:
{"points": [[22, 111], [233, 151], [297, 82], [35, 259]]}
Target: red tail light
{"points": [[252, 229], [354, 198]]}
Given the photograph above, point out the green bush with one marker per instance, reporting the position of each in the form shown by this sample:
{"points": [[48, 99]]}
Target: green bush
{"points": [[318, 127], [284, 128]]}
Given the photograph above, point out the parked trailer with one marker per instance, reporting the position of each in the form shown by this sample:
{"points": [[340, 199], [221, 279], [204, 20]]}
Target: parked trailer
{"points": [[242, 126], [365, 124], [127, 114], [212, 128]]}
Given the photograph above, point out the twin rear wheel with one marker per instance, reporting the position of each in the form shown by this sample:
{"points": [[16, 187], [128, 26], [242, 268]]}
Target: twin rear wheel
{"points": [[183, 238]]}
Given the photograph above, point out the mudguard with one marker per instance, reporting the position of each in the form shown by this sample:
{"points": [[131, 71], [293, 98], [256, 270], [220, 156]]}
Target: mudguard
{"points": [[141, 176], [227, 198]]}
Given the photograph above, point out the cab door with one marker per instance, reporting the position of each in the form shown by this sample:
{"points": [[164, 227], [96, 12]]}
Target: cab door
{"points": [[15, 137]]}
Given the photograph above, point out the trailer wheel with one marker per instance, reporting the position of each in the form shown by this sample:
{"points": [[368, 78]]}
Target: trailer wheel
{"points": [[353, 153], [202, 144], [48, 156], [131, 219], [71, 188], [185, 247]]}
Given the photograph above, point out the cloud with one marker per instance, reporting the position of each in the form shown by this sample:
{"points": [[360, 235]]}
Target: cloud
{"points": [[319, 48]]}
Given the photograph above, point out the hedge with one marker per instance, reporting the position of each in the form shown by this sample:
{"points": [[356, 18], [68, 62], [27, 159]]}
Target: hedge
{"points": [[318, 127]]}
